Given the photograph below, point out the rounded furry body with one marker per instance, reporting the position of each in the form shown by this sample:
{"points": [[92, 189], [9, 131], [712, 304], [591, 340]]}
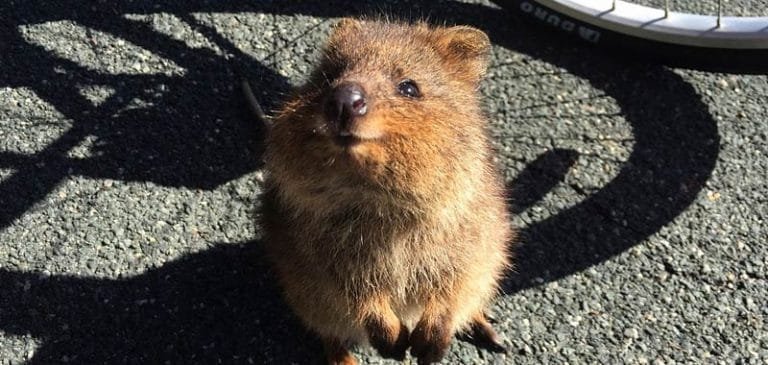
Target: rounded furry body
{"points": [[398, 235]]}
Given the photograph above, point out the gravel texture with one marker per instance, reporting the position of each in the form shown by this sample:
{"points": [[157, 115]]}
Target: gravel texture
{"points": [[129, 182]]}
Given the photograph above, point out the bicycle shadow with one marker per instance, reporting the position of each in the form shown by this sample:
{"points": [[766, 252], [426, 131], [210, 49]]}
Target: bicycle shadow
{"points": [[219, 305], [190, 131], [676, 145]]}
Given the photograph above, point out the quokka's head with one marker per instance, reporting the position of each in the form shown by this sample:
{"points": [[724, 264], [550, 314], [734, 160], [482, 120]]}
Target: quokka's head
{"points": [[390, 104]]}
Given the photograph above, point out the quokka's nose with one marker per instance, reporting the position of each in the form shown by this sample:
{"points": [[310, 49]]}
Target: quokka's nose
{"points": [[346, 102]]}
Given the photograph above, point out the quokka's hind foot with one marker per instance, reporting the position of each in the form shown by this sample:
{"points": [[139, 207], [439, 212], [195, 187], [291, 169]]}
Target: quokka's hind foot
{"points": [[484, 335], [431, 337], [385, 331], [391, 342], [336, 353]]}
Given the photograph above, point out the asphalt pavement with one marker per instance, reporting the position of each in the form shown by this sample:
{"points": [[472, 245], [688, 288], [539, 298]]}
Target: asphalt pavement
{"points": [[130, 174]]}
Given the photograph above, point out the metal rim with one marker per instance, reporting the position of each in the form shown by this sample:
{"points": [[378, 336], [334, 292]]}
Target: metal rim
{"points": [[663, 25]]}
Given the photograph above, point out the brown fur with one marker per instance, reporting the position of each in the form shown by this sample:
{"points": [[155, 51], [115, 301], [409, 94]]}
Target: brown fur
{"points": [[406, 229], [336, 353]]}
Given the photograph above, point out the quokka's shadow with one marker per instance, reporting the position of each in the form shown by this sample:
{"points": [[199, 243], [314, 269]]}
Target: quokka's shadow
{"points": [[220, 305]]}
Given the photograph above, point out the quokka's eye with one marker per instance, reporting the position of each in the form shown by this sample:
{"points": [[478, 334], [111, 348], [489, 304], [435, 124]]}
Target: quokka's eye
{"points": [[408, 89]]}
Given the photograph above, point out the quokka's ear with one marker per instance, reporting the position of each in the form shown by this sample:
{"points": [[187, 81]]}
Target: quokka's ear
{"points": [[343, 28], [467, 49]]}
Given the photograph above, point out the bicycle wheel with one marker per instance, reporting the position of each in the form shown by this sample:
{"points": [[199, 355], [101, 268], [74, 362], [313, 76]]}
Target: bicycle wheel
{"points": [[707, 42]]}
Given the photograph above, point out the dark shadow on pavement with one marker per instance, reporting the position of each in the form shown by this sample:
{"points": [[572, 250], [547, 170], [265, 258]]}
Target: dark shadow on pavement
{"points": [[219, 306], [539, 177]]}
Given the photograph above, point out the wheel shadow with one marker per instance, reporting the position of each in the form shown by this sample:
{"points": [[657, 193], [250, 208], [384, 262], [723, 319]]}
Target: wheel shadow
{"points": [[219, 305], [676, 145]]}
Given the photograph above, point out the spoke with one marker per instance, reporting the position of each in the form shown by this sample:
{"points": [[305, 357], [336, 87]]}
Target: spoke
{"points": [[719, 11]]}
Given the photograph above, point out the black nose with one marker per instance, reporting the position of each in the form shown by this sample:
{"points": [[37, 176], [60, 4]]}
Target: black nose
{"points": [[347, 102]]}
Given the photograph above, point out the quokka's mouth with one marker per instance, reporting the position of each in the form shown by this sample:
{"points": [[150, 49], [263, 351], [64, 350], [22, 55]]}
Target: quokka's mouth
{"points": [[347, 140]]}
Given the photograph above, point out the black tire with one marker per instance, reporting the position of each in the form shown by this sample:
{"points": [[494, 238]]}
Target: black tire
{"points": [[753, 61]]}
